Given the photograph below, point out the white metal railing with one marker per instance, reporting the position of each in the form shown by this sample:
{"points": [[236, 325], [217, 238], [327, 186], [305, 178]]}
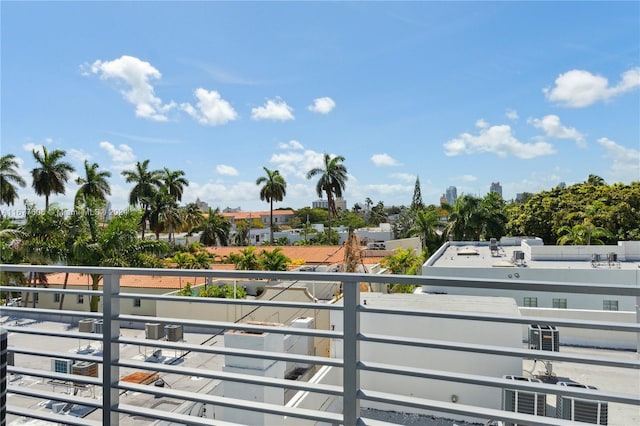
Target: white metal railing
{"points": [[352, 364]]}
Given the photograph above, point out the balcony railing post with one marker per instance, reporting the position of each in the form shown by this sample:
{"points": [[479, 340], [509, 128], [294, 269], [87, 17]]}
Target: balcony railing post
{"points": [[111, 348], [351, 353]]}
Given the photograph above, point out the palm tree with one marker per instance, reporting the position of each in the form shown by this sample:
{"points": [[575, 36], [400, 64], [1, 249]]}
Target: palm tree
{"points": [[332, 182], [174, 182], [93, 185], [9, 177], [117, 245], [274, 189], [247, 260], [465, 219], [146, 182], [582, 234], [51, 174], [274, 260], [163, 212], [426, 225], [215, 229]]}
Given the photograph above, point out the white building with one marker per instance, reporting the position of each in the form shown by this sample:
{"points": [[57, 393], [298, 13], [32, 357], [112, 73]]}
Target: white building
{"points": [[528, 259], [446, 330]]}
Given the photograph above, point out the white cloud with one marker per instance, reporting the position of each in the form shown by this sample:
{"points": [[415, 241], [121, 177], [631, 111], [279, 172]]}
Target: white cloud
{"points": [[292, 144], [322, 105], [122, 154], [553, 128], [407, 177], [136, 76], [579, 88], [626, 161], [498, 140], [512, 114], [78, 155], [383, 160], [30, 147], [212, 109], [482, 124], [465, 178], [276, 110], [297, 163], [223, 169]]}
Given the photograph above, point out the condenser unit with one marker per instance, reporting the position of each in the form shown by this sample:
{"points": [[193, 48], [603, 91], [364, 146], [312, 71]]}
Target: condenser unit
{"points": [[173, 332], [99, 324], [581, 409], [153, 331], [522, 401], [86, 326], [544, 338]]}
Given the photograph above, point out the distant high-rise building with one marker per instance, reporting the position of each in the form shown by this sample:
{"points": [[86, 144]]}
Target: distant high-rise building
{"points": [[451, 195], [562, 185], [341, 204], [496, 187]]}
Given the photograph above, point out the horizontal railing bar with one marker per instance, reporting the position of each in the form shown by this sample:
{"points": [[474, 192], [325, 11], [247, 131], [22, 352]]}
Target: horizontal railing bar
{"points": [[83, 314], [235, 377], [52, 354], [472, 379], [53, 333], [225, 301], [75, 378], [420, 280], [322, 416], [52, 417], [169, 416], [279, 356], [54, 396], [509, 319], [461, 409], [496, 350], [225, 325]]}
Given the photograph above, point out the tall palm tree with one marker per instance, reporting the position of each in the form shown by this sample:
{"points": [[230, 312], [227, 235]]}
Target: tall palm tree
{"points": [[274, 189], [174, 181], [93, 185], [215, 229], [332, 182], [9, 177], [465, 219], [51, 175], [164, 214], [426, 225], [146, 182]]}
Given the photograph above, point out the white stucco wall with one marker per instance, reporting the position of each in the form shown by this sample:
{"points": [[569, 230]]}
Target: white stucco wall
{"points": [[507, 335]]}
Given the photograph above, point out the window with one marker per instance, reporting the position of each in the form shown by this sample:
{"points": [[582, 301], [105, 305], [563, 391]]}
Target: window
{"points": [[56, 297], [530, 302], [560, 303], [136, 303], [610, 305], [80, 299]]}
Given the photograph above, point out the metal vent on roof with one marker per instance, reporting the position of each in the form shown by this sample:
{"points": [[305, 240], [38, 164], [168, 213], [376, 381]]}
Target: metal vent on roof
{"points": [[520, 401], [581, 409]]}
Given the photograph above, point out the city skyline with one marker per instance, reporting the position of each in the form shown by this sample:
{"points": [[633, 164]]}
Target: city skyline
{"points": [[455, 94]]}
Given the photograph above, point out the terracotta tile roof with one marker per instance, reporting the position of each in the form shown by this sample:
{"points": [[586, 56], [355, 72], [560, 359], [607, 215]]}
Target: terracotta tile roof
{"points": [[256, 215], [312, 255], [139, 281], [315, 255]]}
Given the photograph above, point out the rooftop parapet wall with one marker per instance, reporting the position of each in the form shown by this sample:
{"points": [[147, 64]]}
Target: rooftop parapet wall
{"points": [[572, 253]]}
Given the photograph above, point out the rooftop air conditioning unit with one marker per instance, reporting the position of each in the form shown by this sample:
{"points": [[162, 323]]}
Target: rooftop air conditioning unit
{"points": [[581, 409], [544, 338], [60, 365], [153, 331], [173, 332], [525, 402], [98, 326], [86, 325]]}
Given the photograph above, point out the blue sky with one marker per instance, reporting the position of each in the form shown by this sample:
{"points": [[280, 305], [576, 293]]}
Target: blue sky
{"points": [[529, 94]]}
